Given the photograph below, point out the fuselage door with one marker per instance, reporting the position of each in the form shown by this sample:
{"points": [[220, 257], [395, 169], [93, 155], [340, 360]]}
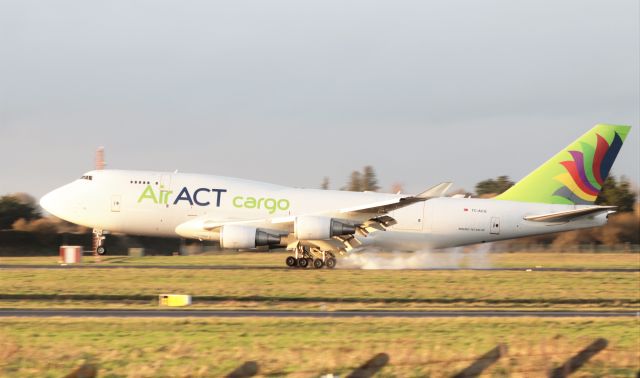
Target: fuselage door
{"points": [[116, 201], [495, 226], [164, 189], [165, 182], [410, 217]]}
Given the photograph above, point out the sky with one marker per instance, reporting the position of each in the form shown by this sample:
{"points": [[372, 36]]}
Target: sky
{"points": [[289, 92]]}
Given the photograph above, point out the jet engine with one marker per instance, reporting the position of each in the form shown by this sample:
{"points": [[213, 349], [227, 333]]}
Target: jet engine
{"points": [[319, 228], [241, 237]]}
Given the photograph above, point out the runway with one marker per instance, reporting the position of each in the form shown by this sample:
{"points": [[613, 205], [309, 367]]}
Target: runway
{"points": [[182, 313], [244, 267]]}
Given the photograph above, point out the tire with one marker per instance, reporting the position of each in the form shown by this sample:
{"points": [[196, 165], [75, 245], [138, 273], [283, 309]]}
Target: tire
{"points": [[291, 261], [101, 250], [331, 263], [318, 263], [303, 262]]}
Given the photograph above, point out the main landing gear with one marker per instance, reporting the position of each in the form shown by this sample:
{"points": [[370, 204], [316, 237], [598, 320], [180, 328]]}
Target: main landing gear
{"points": [[306, 257]]}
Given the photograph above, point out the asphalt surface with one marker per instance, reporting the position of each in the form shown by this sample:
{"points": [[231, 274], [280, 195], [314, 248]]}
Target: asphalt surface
{"points": [[182, 313], [239, 267]]}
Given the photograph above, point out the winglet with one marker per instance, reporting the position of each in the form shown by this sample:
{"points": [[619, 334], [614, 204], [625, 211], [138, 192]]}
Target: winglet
{"points": [[435, 191]]}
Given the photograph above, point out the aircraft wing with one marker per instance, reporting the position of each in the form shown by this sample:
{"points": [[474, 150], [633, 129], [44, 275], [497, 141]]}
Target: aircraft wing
{"points": [[387, 206], [565, 216], [202, 228], [379, 223], [367, 218]]}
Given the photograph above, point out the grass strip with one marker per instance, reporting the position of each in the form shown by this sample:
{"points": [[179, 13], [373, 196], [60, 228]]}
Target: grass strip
{"points": [[330, 285], [310, 347]]}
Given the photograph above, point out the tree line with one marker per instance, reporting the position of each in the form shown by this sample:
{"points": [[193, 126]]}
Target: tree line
{"points": [[365, 181], [615, 191]]}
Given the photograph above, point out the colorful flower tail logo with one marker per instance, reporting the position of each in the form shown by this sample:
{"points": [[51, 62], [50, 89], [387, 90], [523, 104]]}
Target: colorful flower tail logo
{"points": [[586, 172]]}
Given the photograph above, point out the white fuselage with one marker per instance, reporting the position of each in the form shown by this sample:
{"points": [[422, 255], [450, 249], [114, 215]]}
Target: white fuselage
{"points": [[155, 203]]}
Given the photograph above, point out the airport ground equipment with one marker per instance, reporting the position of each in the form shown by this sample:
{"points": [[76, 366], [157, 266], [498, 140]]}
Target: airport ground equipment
{"points": [[70, 254]]}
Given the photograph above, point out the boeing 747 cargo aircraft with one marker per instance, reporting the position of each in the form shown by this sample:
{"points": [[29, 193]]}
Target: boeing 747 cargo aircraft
{"points": [[317, 225]]}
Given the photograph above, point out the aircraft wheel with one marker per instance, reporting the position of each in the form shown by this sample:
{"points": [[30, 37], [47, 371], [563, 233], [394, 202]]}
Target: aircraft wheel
{"points": [[318, 263], [331, 263], [101, 250], [303, 262], [291, 261]]}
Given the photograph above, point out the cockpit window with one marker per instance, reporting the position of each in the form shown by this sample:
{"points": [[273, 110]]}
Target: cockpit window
{"points": [[86, 177]]}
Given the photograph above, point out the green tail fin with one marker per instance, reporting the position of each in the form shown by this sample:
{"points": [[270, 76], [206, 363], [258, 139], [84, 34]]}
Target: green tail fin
{"points": [[576, 174]]}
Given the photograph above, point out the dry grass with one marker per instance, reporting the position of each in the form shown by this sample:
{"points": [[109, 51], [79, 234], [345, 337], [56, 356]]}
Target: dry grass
{"points": [[276, 260], [305, 348], [152, 304], [565, 260]]}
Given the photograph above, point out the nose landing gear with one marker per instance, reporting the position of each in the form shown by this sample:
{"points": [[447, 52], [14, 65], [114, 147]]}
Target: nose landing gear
{"points": [[98, 242]]}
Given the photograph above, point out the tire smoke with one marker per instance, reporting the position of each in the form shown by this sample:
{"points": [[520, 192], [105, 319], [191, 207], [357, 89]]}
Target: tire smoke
{"points": [[474, 257]]}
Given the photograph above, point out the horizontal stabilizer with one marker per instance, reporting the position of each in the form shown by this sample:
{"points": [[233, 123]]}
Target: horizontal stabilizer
{"points": [[565, 216]]}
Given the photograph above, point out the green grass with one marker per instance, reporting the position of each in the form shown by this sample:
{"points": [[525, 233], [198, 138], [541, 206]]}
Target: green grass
{"points": [[462, 260], [354, 288], [305, 348]]}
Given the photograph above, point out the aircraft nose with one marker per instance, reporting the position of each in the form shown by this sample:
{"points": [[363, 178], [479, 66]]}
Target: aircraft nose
{"points": [[58, 203], [49, 200]]}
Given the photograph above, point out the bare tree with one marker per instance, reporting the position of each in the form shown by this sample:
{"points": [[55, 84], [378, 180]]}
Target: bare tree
{"points": [[355, 182], [369, 180], [325, 183]]}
